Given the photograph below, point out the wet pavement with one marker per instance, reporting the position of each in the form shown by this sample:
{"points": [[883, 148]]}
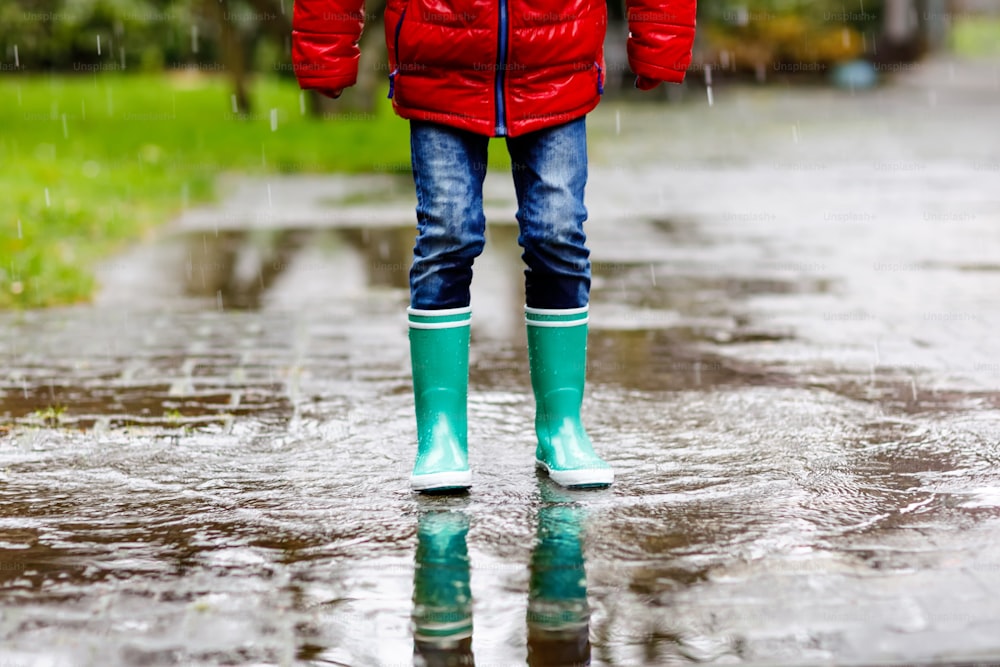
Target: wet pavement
{"points": [[793, 369]]}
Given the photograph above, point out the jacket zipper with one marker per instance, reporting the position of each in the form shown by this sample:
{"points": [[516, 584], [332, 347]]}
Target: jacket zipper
{"points": [[600, 78], [501, 127], [395, 48]]}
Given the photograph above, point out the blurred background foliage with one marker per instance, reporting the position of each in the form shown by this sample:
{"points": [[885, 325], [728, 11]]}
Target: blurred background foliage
{"points": [[755, 34], [148, 35]]}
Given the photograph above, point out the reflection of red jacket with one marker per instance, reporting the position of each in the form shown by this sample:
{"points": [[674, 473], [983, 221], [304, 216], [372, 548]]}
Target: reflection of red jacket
{"points": [[494, 67]]}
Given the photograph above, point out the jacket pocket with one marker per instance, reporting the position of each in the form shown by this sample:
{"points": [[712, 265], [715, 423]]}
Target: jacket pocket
{"points": [[395, 48]]}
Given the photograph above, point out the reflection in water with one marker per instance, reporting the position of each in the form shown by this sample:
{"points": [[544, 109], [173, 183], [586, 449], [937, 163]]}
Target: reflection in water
{"points": [[442, 600], [558, 615], [238, 268]]}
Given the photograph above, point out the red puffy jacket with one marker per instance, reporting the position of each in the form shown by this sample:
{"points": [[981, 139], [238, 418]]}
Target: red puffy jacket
{"points": [[494, 67]]}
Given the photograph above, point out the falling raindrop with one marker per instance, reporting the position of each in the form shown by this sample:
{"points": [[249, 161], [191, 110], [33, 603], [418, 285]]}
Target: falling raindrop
{"points": [[270, 203], [48, 202], [65, 128], [17, 62], [845, 38], [697, 373], [708, 75], [194, 38], [618, 121], [302, 103], [652, 274], [232, 100], [98, 45], [274, 120], [711, 99], [913, 388], [724, 59], [218, 299], [121, 54], [19, 235]]}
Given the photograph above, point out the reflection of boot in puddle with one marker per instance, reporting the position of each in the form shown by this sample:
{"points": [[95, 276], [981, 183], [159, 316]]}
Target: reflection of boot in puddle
{"points": [[442, 599], [558, 613]]}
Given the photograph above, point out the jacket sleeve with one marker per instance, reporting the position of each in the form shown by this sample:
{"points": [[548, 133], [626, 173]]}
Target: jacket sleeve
{"points": [[661, 36], [325, 36]]}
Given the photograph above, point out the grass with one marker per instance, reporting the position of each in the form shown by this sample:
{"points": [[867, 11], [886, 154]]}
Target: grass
{"points": [[976, 36], [89, 163]]}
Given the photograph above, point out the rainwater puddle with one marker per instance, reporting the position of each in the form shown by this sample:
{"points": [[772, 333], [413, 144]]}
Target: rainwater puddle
{"points": [[210, 467]]}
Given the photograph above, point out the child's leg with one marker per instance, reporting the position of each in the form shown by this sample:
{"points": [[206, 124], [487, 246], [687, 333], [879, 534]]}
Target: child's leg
{"points": [[550, 173], [449, 166]]}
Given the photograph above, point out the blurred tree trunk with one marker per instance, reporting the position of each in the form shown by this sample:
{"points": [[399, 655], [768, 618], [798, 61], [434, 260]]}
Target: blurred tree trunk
{"points": [[236, 47], [231, 48], [902, 37]]}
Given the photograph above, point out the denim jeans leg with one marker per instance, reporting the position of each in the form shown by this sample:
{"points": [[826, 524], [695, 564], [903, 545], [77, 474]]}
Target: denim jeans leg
{"points": [[550, 175], [449, 166]]}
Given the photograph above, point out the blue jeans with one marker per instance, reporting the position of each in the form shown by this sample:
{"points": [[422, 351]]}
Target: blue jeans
{"points": [[550, 172]]}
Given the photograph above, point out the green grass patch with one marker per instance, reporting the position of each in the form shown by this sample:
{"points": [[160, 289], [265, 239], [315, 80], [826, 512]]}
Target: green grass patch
{"points": [[91, 162], [975, 36]]}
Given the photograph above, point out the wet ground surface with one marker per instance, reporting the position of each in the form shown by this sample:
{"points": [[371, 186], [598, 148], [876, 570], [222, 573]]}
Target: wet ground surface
{"points": [[794, 371]]}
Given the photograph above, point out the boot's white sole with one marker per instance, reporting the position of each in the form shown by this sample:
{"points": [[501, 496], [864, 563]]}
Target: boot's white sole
{"points": [[439, 481], [579, 478]]}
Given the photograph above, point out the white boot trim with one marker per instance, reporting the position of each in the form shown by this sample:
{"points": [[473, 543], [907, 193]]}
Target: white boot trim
{"points": [[441, 325], [550, 323]]}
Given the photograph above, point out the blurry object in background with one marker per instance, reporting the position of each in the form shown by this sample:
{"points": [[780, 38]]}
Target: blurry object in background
{"points": [[854, 75], [902, 39], [764, 39]]}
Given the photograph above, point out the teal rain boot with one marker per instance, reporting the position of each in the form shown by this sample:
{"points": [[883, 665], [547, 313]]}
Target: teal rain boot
{"points": [[439, 354], [557, 355], [442, 598]]}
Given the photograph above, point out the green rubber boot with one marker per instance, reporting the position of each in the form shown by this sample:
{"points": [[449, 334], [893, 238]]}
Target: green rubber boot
{"points": [[439, 354], [442, 598], [557, 355]]}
